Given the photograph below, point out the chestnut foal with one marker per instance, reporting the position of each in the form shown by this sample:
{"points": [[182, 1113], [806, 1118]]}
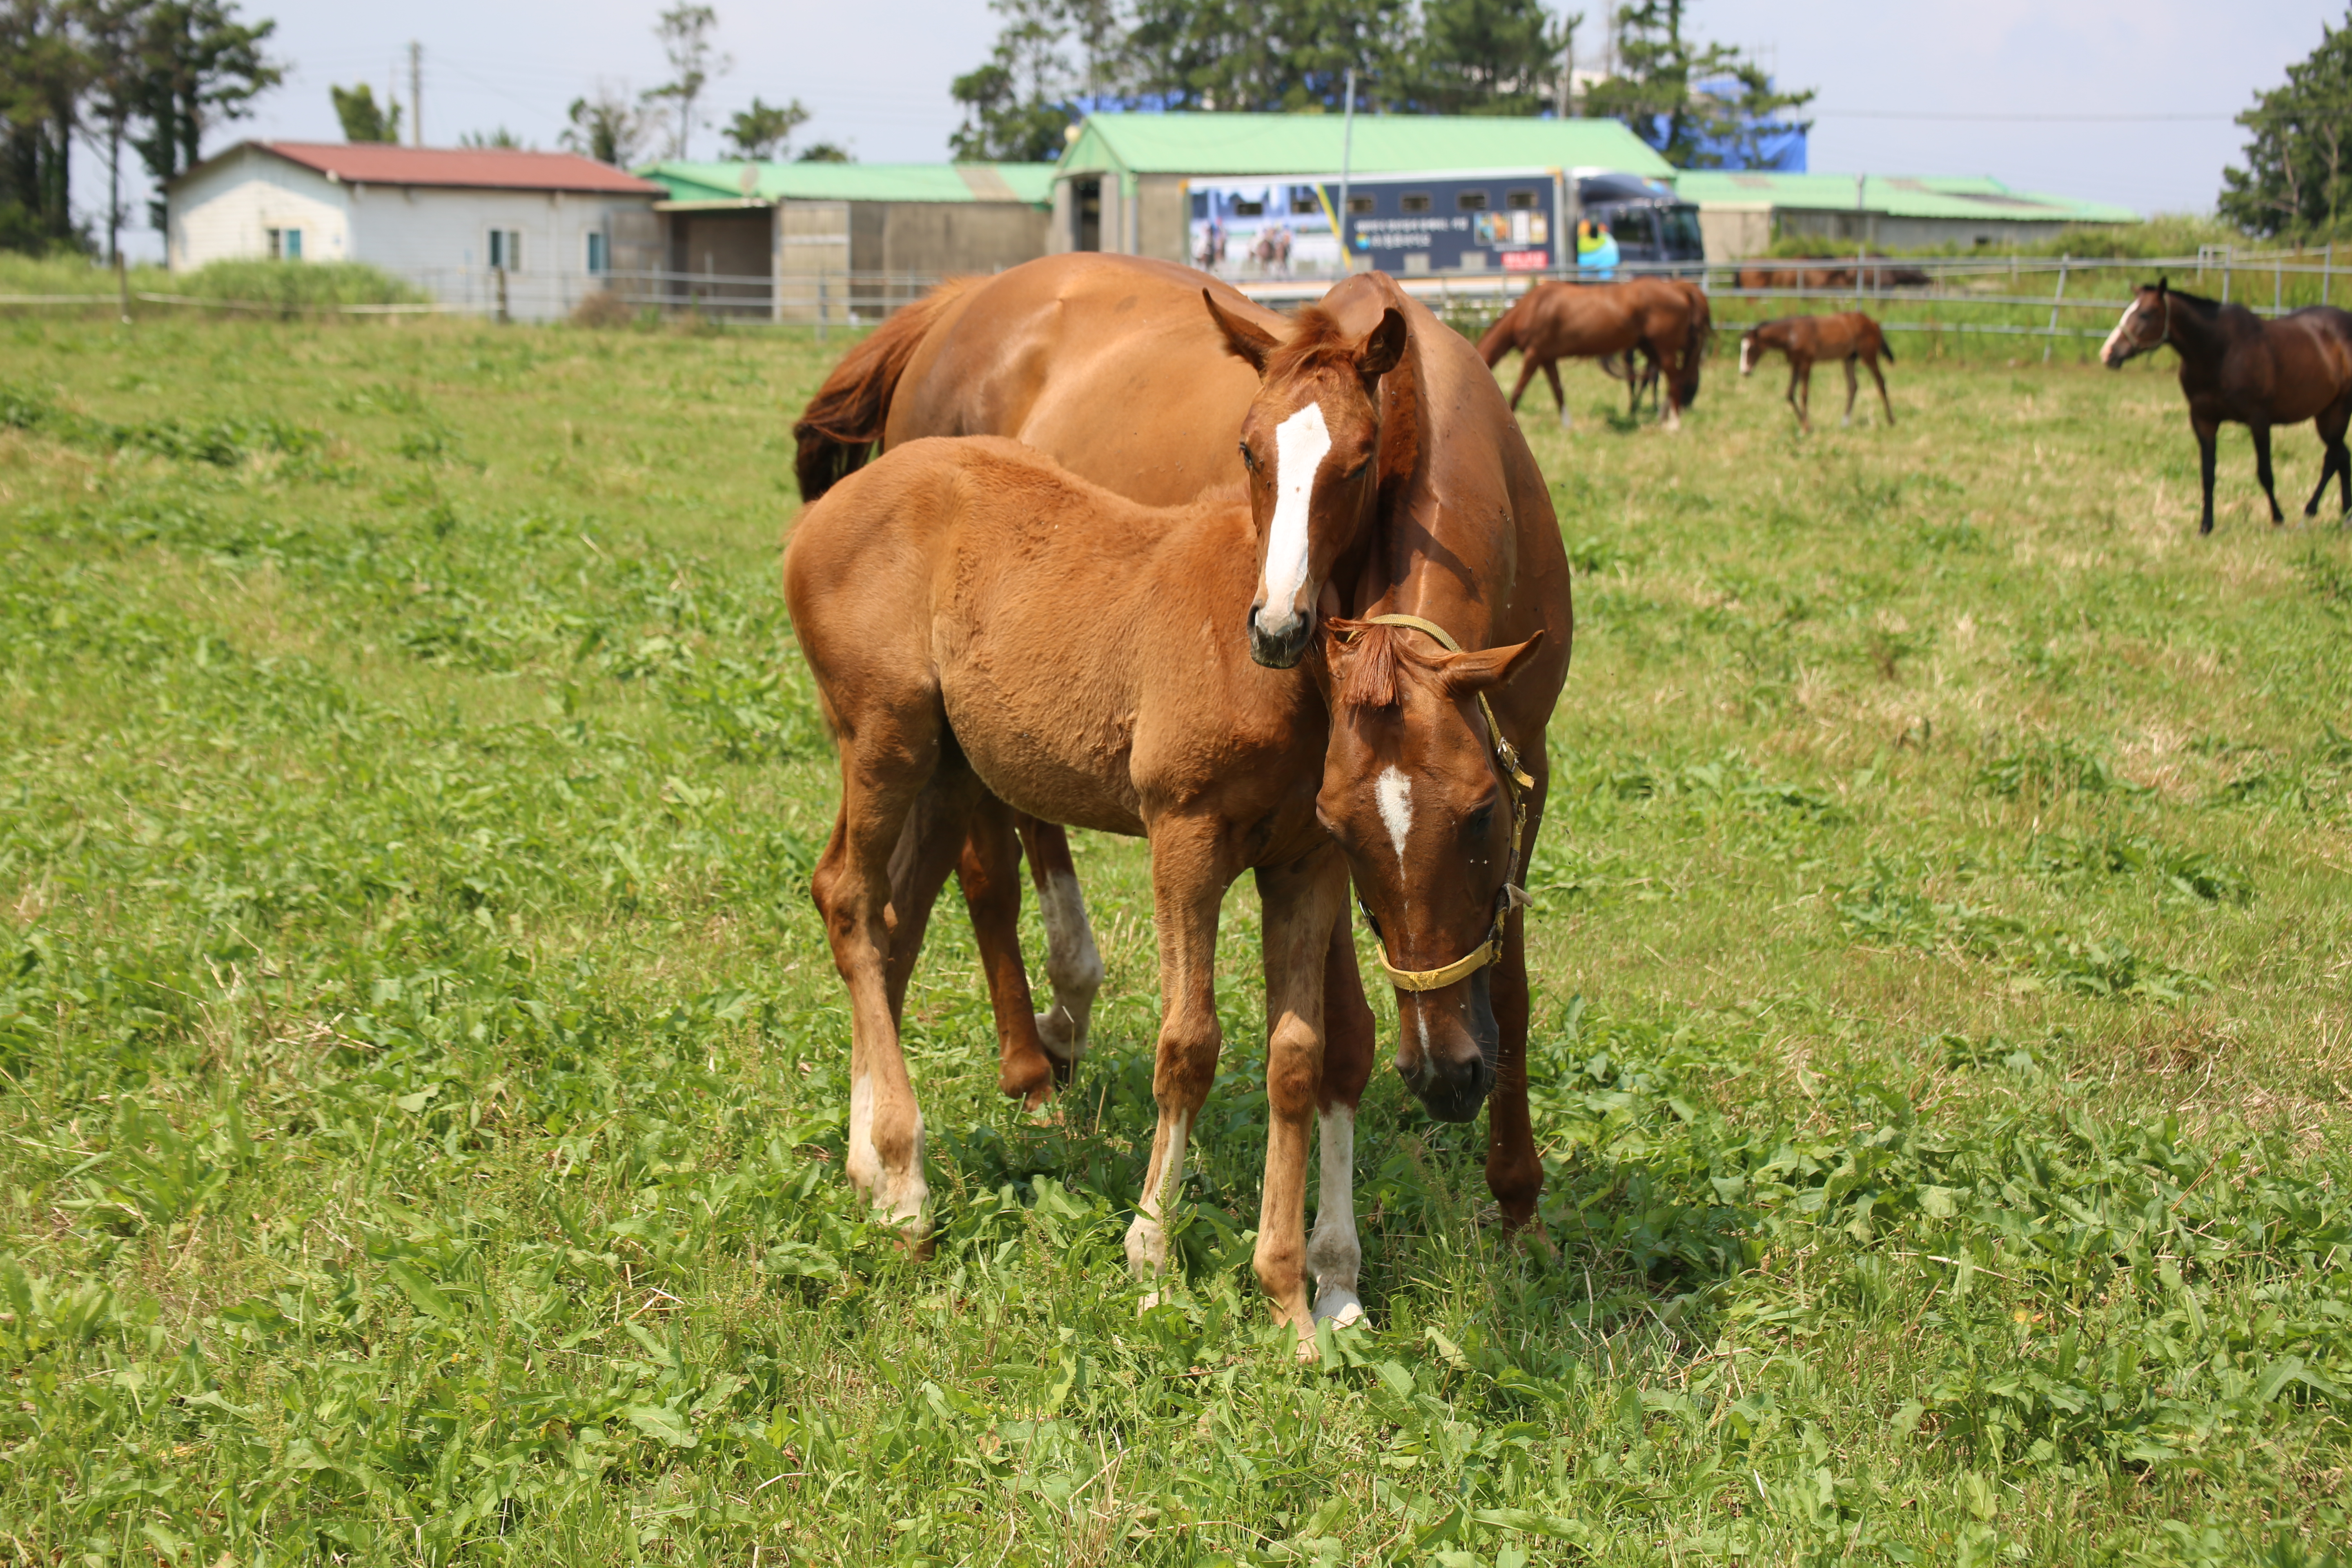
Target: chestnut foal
{"points": [[934, 593], [1807, 340]]}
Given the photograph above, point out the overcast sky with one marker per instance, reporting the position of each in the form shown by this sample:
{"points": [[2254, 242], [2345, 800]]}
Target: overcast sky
{"points": [[876, 73]]}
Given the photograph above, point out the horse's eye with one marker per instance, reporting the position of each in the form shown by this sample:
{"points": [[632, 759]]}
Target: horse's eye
{"points": [[1249, 458], [1357, 472], [1475, 825]]}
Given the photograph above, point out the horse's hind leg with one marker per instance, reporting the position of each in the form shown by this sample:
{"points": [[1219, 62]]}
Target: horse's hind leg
{"points": [[888, 755], [920, 863], [1302, 902], [989, 871], [2263, 471], [1800, 377], [1333, 1251], [2330, 428], [1073, 965], [1559, 393], [2206, 431], [1851, 386], [1527, 374], [1880, 376]]}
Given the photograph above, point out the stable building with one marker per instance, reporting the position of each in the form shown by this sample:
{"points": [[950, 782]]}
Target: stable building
{"points": [[1740, 215], [840, 242], [1252, 195], [472, 227]]}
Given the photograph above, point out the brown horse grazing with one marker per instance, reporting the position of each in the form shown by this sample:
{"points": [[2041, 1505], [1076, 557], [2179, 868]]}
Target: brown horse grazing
{"points": [[2236, 366], [1701, 337], [1079, 356], [934, 595], [1556, 321], [1807, 340]]}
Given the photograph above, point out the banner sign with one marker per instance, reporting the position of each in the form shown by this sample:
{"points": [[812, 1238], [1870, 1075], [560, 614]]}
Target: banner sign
{"points": [[1404, 224]]}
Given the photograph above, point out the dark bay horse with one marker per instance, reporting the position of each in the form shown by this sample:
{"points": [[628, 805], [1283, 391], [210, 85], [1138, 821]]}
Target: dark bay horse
{"points": [[938, 597], [1111, 365], [2237, 368], [1808, 340], [1556, 321]]}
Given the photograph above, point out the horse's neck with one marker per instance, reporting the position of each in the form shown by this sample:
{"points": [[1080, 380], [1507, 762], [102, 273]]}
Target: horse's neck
{"points": [[2202, 335]]}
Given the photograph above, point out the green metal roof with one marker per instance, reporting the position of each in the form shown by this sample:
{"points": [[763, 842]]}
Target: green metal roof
{"points": [[1958, 196], [1384, 143], [1030, 183]]}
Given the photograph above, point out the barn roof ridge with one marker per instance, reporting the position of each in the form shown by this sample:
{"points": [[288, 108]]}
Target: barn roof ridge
{"points": [[1896, 195], [722, 182], [1216, 142]]}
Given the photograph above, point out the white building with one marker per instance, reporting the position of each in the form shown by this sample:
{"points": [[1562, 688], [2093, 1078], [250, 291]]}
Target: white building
{"points": [[450, 220]]}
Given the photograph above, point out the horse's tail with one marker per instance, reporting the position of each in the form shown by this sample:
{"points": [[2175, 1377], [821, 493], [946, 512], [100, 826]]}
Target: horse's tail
{"points": [[838, 428], [1503, 335], [1884, 346]]}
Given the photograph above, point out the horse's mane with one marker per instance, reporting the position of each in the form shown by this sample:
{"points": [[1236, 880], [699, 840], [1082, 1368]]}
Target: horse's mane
{"points": [[1378, 656], [2202, 301], [1316, 342], [1503, 335], [1399, 454]]}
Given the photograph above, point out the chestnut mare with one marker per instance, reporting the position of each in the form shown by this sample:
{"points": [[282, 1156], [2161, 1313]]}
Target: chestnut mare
{"points": [[1807, 340], [2237, 368], [1111, 365], [1556, 321], [933, 595], [1702, 328]]}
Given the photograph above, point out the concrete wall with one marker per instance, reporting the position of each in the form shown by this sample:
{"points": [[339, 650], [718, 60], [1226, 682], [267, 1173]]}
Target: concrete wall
{"points": [[1731, 232], [935, 239], [224, 213], [1166, 217], [1888, 232]]}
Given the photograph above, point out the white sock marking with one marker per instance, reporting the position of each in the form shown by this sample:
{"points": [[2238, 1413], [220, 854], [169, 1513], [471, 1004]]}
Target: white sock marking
{"points": [[1333, 1253], [1073, 965], [1300, 444], [1746, 354], [1146, 1238], [1393, 791], [865, 1166]]}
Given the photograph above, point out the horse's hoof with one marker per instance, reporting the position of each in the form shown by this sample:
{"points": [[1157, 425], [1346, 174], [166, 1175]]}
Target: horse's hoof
{"points": [[1339, 1307]]}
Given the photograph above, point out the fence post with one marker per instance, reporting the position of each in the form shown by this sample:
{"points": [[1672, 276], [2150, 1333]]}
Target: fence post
{"points": [[820, 304], [501, 272], [122, 285], [2278, 280], [2225, 273], [2327, 274], [2054, 301]]}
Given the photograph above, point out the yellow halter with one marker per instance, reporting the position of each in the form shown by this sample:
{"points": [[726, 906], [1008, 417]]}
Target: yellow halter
{"points": [[1516, 783]]}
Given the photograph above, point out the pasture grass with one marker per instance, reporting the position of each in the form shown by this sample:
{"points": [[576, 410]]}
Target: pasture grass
{"points": [[426, 1081]]}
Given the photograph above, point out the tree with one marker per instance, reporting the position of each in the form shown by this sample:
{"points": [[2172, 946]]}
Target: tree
{"points": [[1697, 104], [2296, 182], [45, 68], [1491, 57], [685, 32], [500, 138], [197, 64], [825, 152], [362, 119], [115, 27], [764, 130], [1016, 106], [608, 126]]}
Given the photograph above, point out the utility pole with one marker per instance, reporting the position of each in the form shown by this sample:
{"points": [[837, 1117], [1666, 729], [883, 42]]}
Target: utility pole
{"points": [[416, 93], [1567, 73], [1347, 167]]}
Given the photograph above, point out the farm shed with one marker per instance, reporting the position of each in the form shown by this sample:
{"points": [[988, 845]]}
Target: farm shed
{"points": [[449, 219], [1741, 214], [1125, 184], [825, 237]]}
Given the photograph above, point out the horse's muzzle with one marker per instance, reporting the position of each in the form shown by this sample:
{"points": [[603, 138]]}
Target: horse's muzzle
{"points": [[1278, 647], [1454, 1091]]}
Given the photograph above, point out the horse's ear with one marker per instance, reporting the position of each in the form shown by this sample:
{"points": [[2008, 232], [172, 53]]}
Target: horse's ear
{"points": [[1483, 669], [2162, 284], [1383, 348], [1244, 340]]}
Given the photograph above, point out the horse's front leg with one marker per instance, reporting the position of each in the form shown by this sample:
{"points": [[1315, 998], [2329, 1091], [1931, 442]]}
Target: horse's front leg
{"points": [[1191, 867], [1349, 1044], [1879, 376], [1559, 393], [2206, 431], [2262, 470], [1851, 386], [1528, 368], [1073, 964], [1514, 1169], [1301, 903]]}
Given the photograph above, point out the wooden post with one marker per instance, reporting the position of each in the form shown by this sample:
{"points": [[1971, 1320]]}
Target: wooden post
{"points": [[820, 302], [123, 284], [501, 272], [2327, 274], [2054, 301], [2278, 281]]}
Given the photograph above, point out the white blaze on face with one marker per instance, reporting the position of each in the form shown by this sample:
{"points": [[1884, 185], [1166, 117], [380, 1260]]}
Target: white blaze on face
{"points": [[1300, 444], [1393, 791], [2117, 339]]}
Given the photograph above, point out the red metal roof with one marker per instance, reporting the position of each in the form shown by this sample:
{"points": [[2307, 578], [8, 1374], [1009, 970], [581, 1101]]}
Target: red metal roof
{"points": [[481, 168]]}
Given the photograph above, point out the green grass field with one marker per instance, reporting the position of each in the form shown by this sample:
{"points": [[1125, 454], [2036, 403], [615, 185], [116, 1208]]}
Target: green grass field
{"points": [[424, 1079]]}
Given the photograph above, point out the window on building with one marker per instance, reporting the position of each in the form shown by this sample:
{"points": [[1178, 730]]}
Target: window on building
{"points": [[1359, 204], [1303, 199], [1413, 202], [598, 259], [285, 244], [1470, 201], [1520, 201], [506, 248], [1249, 209]]}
